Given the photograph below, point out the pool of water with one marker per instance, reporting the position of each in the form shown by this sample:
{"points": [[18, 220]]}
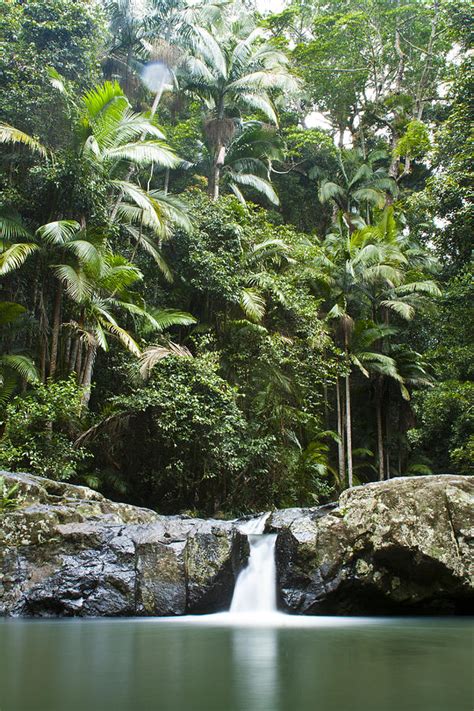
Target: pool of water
{"points": [[216, 664]]}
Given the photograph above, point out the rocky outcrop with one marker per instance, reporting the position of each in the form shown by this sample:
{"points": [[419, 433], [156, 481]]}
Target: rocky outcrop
{"points": [[69, 551], [401, 546]]}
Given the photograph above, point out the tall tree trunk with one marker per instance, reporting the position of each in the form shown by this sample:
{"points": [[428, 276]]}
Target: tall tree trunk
{"points": [[43, 336], [67, 351], [349, 431], [218, 162], [128, 63], [387, 433], [78, 364], [86, 380], [56, 328], [73, 355], [380, 448], [43, 360], [340, 431]]}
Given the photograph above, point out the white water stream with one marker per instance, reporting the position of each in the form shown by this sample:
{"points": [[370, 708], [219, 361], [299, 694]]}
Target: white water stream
{"points": [[255, 588]]}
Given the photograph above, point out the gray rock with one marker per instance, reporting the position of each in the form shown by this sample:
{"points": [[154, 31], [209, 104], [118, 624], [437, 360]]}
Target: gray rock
{"points": [[69, 551], [401, 546]]}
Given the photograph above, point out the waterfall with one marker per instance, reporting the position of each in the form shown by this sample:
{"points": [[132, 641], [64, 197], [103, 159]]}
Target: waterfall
{"points": [[255, 589]]}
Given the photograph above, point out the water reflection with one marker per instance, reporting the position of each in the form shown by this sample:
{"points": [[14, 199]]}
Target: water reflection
{"points": [[255, 663], [332, 664]]}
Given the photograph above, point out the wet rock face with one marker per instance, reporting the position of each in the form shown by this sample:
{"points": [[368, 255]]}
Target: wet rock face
{"points": [[402, 546], [69, 551]]}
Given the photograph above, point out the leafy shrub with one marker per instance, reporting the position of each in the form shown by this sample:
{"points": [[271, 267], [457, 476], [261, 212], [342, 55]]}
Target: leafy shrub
{"points": [[40, 429], [178, 441], [445, 427]]}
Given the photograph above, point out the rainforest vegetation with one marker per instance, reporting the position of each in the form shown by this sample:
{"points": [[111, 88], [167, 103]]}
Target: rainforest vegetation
{"points": [[235, 246]]}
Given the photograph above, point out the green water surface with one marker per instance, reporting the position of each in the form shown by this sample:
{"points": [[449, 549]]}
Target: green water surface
{"points": [[337, 664]]}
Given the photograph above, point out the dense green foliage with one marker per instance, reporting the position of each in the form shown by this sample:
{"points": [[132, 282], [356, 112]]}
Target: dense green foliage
{"points": [[235, 257], [40, 428]]}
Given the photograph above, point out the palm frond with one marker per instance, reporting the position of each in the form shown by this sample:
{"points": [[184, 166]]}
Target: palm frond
{"points": [[14, 256], [144, 153], [75, 282], [428, 287], [154, 354], [258, 184], [123, 336], [401, 308], [22, 365], [11, 228], [165, 318], [252, 304], [370, 195], [58, 232], [102, 97], [329, 190], [10, 134]]}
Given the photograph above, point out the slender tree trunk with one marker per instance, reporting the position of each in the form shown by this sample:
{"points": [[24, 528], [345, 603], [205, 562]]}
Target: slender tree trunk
{"points": [[56, 328], [387, 434], [380, 448], [349, 432], [340, 432], [78, 365], [67, 351], [167, 181], [400, 439], [87, 374], [127, 70], [43, 360], [73, 355], [218, 162], [156, 101], [340, 142], [43, 336], [325, 395]]}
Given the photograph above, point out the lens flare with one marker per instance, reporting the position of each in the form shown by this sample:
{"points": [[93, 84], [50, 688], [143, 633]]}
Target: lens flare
{"points": [[155, 75]]}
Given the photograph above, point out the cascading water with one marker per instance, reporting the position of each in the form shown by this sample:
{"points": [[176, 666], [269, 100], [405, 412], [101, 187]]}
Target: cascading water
{"points": [[255, 589], [254, 600]]}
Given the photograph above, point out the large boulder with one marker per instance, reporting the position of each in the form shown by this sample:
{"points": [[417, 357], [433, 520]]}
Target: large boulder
{"points": [[400, 546], [66, 550]]}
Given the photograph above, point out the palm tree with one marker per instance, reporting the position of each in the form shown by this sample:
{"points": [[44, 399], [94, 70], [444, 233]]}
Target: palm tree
{"points": [[248, 160], [91, 283], [152, 38], [240, 76], [360, 186], [14, 366]]}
